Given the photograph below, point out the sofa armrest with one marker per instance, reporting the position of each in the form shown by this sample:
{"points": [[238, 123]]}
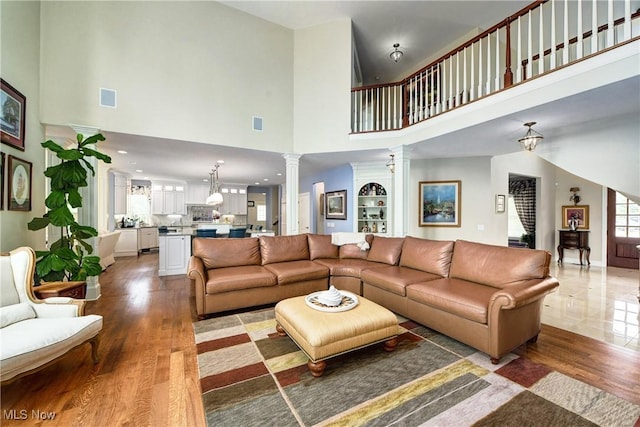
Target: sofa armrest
{"points": [[522, 294], [59, 307]]}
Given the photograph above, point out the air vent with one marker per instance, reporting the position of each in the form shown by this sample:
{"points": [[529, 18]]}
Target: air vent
{"points": [[108, 98], [257, 123]]}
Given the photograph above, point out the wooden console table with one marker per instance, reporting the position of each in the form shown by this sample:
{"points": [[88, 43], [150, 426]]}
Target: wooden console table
{"points": [[578, 239], [76, 290]]}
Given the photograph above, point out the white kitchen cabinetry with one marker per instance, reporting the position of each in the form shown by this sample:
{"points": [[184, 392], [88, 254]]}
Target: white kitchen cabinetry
{"points": [[168, 199], [147, 238], [174, 254], [234, 201], [120, 193], [127, 244], [196, 193]]}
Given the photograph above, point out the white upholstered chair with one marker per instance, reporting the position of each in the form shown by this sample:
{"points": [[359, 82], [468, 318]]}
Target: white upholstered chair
{"points": [[35, 333]]}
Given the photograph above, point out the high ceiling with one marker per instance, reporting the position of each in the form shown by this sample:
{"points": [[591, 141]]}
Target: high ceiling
{"points": [[424, 29]]}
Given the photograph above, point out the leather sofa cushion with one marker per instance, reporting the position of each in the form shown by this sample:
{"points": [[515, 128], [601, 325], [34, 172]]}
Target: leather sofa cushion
{"points": [[352, 251], [320, 246], [386, 250], [220, 253], [283, 248], [236, 278], [347, 267], [497, 266], [395, 279], [465, 299], [432, 256], [298, 271]]}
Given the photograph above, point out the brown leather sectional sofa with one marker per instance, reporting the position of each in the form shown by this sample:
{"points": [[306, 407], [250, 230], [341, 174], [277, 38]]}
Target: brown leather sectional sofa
{"points": [[488, 297]]}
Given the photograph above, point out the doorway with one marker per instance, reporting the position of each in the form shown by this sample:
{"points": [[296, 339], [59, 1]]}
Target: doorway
{"points": [[304, 213], [623, 230], [522, 204]]}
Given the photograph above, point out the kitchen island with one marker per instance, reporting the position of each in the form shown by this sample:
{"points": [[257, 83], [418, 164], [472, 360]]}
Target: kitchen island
{"points": [[174, 252]]}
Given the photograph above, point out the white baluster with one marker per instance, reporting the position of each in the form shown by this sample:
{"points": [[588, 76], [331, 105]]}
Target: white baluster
{"points": [[565, 24], [579, 49], [594, 26], [457, 99], [443, 81], [472, 80], [519, 51], [627, 20], [498, 79], [541, 43], [610, 39], [451, 93], [552, 62], [488, 89], [530, 49], [480, 69], [465, 95]]}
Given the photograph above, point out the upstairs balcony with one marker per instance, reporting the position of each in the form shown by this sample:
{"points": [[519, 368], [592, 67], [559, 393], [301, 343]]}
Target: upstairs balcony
{"points": [[543, 37]]}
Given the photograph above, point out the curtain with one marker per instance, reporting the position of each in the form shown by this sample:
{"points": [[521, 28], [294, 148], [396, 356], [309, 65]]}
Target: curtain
{"points": [[524, 197]]}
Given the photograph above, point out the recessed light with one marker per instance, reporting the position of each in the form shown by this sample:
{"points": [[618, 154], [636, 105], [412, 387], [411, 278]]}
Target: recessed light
{"points": [[220, 162], [205, 180], [266, 179], [257, 183], [279, 174], [122, 152], [145, 177], [139, 170]]}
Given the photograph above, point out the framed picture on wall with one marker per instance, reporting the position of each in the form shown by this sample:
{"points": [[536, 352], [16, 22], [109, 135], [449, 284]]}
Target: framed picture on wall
{"points": [[579, 212], [439, 203], [19, 188], [336, 205], [12, 115], [1, 181]]}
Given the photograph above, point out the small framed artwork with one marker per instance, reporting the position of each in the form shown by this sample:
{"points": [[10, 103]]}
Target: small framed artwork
{"points": [[19, 188], [500, 203], [251, 204], [1, 181], [12, 116], [439, 203], [580, 213], [336, 205]]}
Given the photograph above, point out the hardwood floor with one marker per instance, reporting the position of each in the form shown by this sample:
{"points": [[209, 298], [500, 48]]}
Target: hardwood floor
{"points": [[148, 376]]}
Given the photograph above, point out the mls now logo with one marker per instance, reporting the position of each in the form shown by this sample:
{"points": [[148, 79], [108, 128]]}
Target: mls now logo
{"points": [[23, 414]]}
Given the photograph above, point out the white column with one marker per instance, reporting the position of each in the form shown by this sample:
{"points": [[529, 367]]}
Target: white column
{"points": [[291, 184], [401, 184]]}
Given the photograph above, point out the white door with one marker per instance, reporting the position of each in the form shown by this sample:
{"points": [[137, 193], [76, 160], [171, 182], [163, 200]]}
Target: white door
{"points": [[304, 213]]}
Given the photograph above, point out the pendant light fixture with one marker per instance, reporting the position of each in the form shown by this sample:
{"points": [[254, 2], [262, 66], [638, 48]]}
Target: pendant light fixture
{"points": [[396, 54], [215, 197], [531, 138], [391, 164]]}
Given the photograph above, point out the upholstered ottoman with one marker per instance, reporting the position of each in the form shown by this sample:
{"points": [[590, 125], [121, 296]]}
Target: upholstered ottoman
{"points": [[321, 335]]}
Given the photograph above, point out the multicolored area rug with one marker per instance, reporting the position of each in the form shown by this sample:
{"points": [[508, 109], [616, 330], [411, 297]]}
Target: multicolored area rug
{"points": [[250, 376]]}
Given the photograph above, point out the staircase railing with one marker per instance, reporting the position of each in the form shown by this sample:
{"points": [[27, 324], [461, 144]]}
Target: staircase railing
{"points": [[538, 37]]}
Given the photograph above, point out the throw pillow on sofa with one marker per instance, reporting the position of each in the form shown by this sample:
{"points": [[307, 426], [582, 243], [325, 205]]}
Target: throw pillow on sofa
{"points": [[15, 313]]}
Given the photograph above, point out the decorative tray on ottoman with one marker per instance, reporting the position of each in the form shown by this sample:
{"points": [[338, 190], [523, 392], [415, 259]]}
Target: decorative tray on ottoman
{"points": [[348, 302]]}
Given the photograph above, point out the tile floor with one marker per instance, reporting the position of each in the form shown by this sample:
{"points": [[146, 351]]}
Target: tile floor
{"points": [[598, 302]]}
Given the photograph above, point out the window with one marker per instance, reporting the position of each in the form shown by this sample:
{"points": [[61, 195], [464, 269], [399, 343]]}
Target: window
{"points": [[627, 217], [261, 212]]}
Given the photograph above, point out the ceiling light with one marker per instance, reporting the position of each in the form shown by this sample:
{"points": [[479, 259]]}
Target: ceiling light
{"points": [[279, 174], [139, 170], [215, 197], [265, 179], [396, 54], [391, 164], [531, 138], [122, 152], [220, 162]]}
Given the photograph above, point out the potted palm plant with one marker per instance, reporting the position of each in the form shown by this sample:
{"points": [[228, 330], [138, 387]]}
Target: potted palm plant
{"points": [[68, 258]]}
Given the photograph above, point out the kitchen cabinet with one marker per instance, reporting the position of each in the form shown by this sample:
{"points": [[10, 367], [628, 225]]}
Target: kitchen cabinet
{"points": [[168, 199], [127, 244], [196, 193], [120, 193], [234, 201], [147, 238], [174, 254]]}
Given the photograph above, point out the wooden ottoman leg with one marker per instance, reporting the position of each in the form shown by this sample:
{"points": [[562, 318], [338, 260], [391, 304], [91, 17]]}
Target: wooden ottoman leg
{"points": [[280, 330], [317, 368], [391, 344]]}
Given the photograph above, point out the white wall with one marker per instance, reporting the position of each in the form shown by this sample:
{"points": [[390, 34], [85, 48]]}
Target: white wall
{"points": [[195, 71], [322, 87], [20, 67]]}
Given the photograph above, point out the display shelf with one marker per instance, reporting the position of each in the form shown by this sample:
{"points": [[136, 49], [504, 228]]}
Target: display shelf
{"points": [[372, 208]]}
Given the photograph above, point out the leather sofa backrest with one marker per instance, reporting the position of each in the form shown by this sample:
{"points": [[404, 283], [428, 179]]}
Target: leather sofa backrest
{"points": [[386, 250], [320, 246], [219, 253], [431, 256], [497, 266], [283, 248], [353, 251]]}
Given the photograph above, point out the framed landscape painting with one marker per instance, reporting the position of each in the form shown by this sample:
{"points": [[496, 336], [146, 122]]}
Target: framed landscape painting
{"points": [[439, 203], [336, 205], [12, 116]]}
